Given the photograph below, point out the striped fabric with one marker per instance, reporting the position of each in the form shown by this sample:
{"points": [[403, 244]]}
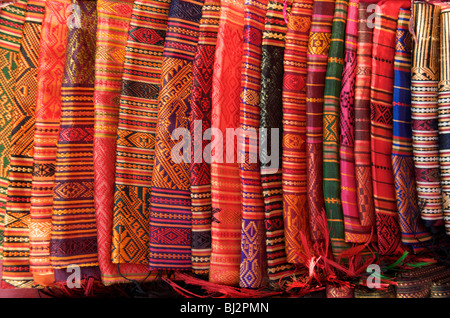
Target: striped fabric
{"points": [[225, 182], [272, 50], [444, 113], [382, 84], [74, 230], [136, 131], [201, 104], [354, 231], [425, 132], [413, 232], [317, 62], [331, 131], [253, 265], [294, 156], [16, 248], [170, 212], [112, 33], [52, 56], [12, 19], [363, 169]]}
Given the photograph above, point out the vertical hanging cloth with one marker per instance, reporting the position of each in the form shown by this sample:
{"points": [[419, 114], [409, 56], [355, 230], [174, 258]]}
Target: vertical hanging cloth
{"points": [[226, 199], [136, 129], [413, 232], [170, 212], [382, 82], [317, 62], [112, 33], [363, 169], [201, 105], [295, 198], [331, 131], [52, 55], [444, 112], [16, 248], [273, 42], [424, 112], [12, 18], [253, 258], [354, 231], [74, 230]]}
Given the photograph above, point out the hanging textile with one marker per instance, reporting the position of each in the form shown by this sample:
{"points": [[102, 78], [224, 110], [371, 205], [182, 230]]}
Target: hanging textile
{"points": [[112, 33], [363, 169], [226, 220], [170, 212], [443, 113], [253, 265], [382, 83], [413, 232], [331, 131], [16, 248], [317, 62], [200, 168], [136, 131], [12, 19], [272, 52], [52, 56], [293, 109], [74, 232]]}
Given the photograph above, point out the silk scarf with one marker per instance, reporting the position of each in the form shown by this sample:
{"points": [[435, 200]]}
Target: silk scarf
{"points": [[170, 212], [136, 129], [200, 168], [317, 62], [382, 82], [424, 112], [74, 230], [294, 156], [253, 258], [413, 231], [443, 113], [226, 199], [16, 249], [112, 35], [331, 131], [363, 169], [47, 114], [12, 19]]}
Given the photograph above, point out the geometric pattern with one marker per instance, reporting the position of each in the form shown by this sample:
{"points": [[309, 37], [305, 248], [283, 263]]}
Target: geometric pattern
{"points": [[253, 259], [135, 137], [76, 243], [47, 117], [12, 19], [170, 211], [16, 248]]}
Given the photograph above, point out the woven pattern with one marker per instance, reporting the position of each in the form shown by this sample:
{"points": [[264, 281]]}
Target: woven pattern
{"points": [[295, 205], [201, 110], [136, 131], [170, 216], [382, 84], [253, 267], [331, 131], [12, 19], [225, 182], [16, 248], [76, 243], [317, 62], [112, 33], [424, 95], [413, 232], [52, 55]]}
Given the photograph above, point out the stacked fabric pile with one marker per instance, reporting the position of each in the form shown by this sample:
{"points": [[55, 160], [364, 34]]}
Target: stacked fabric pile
{"points": [[248, 143]]}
